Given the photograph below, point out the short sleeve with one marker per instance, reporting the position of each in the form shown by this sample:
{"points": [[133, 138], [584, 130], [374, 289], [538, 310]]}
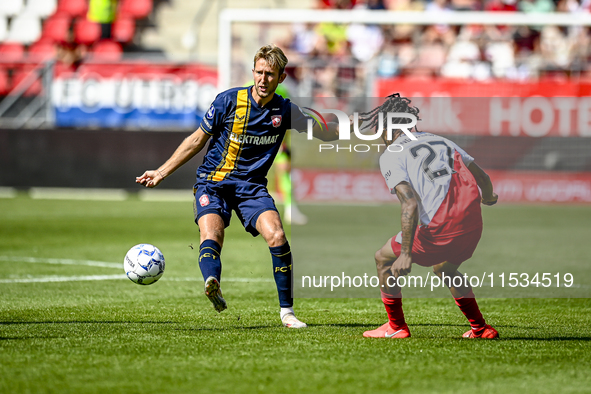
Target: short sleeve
{"points": [[393, 170], [466, 158], [214, 117]]}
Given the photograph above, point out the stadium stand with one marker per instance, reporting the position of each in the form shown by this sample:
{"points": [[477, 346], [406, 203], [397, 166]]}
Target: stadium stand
{"points": [[11, 8], [41, 8], [24, 28], [136, 9], [73, 8], [86, 32], [3, 28], [106, 50], [123, 29]]}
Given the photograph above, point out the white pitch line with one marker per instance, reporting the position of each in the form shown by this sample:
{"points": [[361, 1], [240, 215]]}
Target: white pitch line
{"points": [[8, 192], [56, 193], [63, 278], [90, 263]]}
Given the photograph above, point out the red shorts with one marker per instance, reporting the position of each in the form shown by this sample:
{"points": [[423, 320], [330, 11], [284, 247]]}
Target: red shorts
{"points": [[428, 251]]}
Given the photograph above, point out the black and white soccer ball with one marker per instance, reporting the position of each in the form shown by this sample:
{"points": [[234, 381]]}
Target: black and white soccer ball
{"points": [[144, 264]]}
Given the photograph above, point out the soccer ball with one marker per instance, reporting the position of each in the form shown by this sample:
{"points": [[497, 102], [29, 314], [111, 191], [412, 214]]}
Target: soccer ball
{"points": [[144, 264]]}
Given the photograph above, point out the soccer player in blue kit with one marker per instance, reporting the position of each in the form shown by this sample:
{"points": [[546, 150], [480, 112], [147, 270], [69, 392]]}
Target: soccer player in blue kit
{"points": [[246, 126]]}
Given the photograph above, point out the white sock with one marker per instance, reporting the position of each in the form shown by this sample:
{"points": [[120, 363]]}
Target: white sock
{"points": [[285, 311]]}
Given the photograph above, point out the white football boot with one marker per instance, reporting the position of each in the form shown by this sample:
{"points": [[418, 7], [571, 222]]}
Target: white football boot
{"points": [[289, 320], [214, 293]]}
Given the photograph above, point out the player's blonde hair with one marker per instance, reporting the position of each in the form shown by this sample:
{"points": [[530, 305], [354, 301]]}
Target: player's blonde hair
{"points": [[274, 57]]}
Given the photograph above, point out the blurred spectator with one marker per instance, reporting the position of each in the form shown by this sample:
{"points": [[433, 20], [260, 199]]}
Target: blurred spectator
{"points": [[466, 5], [555, 48], [502, 5], [439, 32], [69, 52], [305, 38], [366, 41], [102, 12], [371, 5], [335, 36], [463, 54], [581, 50], [478, 52], [536, 6], [526, 41], [567, 6], [501, 56], [404, 32], [437, 6], [337, 4], [388, 63]]}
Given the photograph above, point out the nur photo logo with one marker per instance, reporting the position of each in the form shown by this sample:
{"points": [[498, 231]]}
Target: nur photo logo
{"points": [[349, 124]]}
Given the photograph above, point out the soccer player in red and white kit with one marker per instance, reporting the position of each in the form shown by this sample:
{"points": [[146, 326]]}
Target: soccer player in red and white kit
{"points": [[437, 184]]}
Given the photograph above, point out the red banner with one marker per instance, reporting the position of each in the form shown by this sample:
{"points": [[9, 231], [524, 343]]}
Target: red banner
{"points": [[498, 108], [370, 187]]}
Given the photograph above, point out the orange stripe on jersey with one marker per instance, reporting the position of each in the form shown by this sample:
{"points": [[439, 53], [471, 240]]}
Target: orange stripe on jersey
{"points": [[233, 145]]}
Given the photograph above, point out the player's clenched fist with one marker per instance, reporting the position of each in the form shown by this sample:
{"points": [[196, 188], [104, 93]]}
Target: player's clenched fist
{"points": [[492, 200], [402, 266]]}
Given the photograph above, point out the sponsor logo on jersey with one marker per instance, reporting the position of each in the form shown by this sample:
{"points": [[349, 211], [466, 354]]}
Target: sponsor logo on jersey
{"points": [[276, 119], [210, 112], [207, 122], [204, 200], [254, 139]]}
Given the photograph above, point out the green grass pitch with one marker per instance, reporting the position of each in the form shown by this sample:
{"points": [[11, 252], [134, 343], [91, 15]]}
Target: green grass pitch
{"points": [[62, 334]]}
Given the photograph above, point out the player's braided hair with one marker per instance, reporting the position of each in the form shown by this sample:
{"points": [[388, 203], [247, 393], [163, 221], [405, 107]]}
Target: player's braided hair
{"points": [[393, 103]]}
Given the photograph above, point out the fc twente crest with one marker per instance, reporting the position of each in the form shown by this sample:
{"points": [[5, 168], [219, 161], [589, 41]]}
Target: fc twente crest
{"points": [[276, 119]]}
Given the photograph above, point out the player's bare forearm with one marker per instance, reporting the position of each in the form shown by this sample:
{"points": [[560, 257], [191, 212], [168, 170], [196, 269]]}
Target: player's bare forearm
{"points": [[326, 134], [489, 197], [190, 146], [409, 216]]}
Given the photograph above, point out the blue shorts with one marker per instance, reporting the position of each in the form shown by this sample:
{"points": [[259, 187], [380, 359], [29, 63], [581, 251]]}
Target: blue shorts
{"points": [[248, 199]]}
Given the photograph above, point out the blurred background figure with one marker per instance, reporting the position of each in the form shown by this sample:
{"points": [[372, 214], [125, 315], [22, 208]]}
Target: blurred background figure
{"points": [[103, 12]]}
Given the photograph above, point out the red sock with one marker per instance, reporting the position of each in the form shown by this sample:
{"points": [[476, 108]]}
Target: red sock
{"points": [[393, 306], [469, 308]]}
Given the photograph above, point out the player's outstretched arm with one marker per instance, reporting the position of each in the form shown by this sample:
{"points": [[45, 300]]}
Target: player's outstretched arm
{"points": [[489, 197], [190, 146], [323, 133], [330, 133], [409, 216]]}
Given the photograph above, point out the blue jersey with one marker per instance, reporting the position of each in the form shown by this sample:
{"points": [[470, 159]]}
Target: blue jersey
{"points": [[246, 137]]}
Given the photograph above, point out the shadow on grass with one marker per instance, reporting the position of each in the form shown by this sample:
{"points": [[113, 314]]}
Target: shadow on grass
{"points": [[230, 328]]}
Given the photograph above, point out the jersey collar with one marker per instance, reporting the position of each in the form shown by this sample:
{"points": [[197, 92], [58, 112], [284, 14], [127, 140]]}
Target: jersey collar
{"points": [[255, 104]]}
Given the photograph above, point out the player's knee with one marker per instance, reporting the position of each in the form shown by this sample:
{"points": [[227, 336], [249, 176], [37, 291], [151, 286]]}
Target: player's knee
{"points": [[380, 259], [214, 235], [276, 238]]}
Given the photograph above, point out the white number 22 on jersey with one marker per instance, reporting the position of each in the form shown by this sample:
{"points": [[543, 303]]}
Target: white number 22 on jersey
{"points": [[433, 174]]}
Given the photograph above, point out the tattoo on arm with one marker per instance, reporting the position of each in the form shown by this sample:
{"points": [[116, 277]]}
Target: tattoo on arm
{"points": [[408, 216]]}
